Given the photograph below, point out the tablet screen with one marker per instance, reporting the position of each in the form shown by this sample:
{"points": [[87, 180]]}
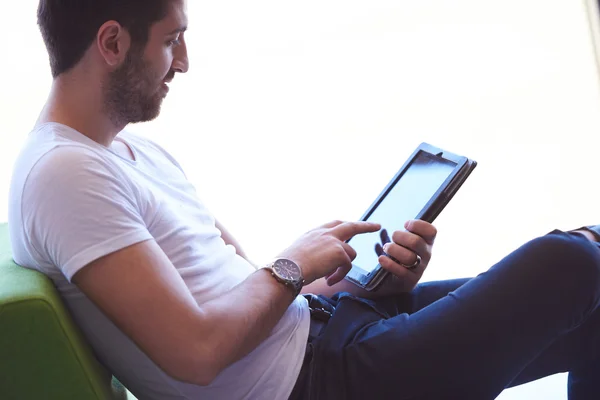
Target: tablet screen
{"points": [[403, 202]]}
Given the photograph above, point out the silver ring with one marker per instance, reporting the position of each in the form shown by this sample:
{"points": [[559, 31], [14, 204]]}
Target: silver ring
{"points": [[415, 264]]}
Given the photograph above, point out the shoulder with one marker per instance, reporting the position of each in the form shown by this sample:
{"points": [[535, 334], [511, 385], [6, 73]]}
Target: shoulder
{"points": [[71, 166], [52, 165], [53, 147], [46, 155], [54, 178]]}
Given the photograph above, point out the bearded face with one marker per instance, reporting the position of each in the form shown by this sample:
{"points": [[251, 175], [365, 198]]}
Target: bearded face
{"points": [[134, 92]]}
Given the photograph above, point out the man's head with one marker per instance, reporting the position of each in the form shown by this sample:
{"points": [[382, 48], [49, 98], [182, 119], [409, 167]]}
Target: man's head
{"points": [[132, 48]]}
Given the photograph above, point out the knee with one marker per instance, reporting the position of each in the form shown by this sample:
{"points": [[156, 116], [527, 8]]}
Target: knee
{"points": [[571, 260]]}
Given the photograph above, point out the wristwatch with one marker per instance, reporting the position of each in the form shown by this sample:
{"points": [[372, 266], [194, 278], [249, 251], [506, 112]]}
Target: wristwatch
{"points": [[287, 272]]}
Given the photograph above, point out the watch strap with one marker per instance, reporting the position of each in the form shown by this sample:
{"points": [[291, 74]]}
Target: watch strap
{"points": [[295, 286]]}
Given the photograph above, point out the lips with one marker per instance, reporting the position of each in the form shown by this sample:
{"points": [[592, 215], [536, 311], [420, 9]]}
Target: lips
{"points": [[168, 79]]}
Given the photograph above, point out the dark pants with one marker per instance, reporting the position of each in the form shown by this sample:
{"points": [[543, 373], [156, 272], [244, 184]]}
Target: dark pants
{"points": [[533, 314]]}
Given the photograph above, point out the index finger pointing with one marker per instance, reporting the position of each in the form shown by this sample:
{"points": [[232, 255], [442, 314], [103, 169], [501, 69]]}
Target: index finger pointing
{"points": [[347, 230]]}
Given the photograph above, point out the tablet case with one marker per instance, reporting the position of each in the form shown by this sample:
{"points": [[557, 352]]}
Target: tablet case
{"points": [[430, 210]]}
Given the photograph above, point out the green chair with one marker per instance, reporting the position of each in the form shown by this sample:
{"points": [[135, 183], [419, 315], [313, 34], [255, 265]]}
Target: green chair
{"points": [[43, 355]]}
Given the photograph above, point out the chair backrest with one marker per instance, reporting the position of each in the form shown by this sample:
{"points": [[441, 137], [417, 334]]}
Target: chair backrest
{"points": [[43, 355]]}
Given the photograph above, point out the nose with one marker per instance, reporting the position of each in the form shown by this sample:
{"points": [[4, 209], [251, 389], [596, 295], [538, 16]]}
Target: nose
{"points": [[181, 62]]}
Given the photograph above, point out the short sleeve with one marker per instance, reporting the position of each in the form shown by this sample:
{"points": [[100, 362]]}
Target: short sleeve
{"points": [[78, 207]]}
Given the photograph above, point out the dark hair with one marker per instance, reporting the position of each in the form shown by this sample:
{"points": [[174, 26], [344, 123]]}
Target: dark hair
{"points": [[69, 27]]}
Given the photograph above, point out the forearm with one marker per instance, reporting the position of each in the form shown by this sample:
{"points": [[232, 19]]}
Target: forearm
{"points": [[234, 324], [320, 287]]}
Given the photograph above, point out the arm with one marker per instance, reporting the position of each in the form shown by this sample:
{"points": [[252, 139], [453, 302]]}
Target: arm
{"points": [[321, 287], [149, 301], [142, 293]]}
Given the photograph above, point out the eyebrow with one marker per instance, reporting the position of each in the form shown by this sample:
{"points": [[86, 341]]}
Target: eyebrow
{"points": [[178, 30]]}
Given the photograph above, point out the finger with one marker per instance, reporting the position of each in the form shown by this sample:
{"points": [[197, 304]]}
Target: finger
{"points": [[332, 224], [339, 274], [329, 279], [412, 242], [402, 256], [349, 251], [385, 238], [347, 230], [399, 270], [378, 249], [423, 229]]}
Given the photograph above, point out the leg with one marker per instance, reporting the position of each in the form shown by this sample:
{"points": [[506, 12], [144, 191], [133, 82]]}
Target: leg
{"points": [[583, 381], [577, 352], [472, 343], [422, 296], [573, 352]]}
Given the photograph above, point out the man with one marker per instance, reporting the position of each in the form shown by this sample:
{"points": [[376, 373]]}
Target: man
{"points": [[171, 306]]}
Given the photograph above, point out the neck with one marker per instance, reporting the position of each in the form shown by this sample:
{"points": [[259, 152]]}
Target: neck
{"points": [[74, 102]]}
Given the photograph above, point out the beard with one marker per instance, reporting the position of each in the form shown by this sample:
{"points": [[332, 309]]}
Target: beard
{"points": [[132, 92]]}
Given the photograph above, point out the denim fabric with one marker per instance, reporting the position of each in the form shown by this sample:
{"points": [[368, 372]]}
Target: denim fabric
{"points": [[533, 314]]}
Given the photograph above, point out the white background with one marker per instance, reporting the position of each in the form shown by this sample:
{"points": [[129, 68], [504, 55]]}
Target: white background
{"points": [[296, 113]]}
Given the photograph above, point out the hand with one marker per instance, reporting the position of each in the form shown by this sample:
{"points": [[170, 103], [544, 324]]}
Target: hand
{"points": [[385, 238], [402, 250], [323, 252]]}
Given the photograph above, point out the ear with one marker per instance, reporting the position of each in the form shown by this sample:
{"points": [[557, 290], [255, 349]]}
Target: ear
{"points": [[113, 42]]}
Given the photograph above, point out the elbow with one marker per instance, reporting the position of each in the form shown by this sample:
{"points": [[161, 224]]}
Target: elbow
{"points": [[196, 369], [206, 376], [199, 377]]}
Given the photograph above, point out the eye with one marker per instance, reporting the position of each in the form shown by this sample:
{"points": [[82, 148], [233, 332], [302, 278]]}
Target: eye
{"points": [[174, 42]]}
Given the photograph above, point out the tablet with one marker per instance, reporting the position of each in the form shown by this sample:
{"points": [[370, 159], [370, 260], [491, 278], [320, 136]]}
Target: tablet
{"points": [[420, 190]]}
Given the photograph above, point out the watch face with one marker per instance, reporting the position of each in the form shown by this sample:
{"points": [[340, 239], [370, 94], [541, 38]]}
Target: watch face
{"points": [[287, 270]]}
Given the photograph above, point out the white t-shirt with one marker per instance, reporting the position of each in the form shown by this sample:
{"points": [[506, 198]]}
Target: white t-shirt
{"points": [[73, 201]]}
